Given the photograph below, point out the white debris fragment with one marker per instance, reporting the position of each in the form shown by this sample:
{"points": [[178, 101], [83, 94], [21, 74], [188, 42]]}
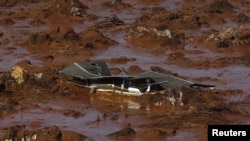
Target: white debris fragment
{"points": [[172, 100], [34, 136], [175, 96], [163, 33], [38, 75]]}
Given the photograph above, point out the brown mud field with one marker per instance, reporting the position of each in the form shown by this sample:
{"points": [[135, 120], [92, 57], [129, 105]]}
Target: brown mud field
{"points": [[202, 41]]}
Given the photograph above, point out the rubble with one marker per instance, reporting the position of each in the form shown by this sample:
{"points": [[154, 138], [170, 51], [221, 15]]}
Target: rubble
{"points": [[142, 31], [19, 132], [231, 36]]}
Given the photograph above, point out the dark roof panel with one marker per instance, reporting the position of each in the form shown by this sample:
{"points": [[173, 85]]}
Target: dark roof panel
{"points": [[164, 80], [87, 69]]}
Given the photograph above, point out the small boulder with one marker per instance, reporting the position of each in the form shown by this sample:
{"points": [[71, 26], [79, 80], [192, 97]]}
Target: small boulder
{"points": [[19, 74]]}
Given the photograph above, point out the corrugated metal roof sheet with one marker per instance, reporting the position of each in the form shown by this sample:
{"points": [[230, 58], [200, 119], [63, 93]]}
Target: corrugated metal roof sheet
{"points": [[98, 72], [168, 80]]}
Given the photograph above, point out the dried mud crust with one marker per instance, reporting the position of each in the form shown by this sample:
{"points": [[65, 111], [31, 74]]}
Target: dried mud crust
{"points": [[160, 31]]}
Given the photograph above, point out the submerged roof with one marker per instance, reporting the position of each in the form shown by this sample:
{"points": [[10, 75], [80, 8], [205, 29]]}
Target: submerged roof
{"points": [[164, 80], [97, 72]]}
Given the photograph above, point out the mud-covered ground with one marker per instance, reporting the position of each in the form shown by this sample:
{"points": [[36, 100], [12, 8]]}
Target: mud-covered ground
{"points": [[201, 41]]}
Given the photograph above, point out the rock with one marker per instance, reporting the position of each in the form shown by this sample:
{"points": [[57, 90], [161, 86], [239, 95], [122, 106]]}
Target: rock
{"points": [[72, 136], [144, 31], [119, 60], [55, 132], [50, 134], [19, 74], [128, 131], [75, 11], [95, 39], [115, 71], [134, 69]]}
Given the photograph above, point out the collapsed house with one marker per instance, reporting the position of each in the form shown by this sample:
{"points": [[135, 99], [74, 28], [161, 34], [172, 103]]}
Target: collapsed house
{"points": [[96, 76]]}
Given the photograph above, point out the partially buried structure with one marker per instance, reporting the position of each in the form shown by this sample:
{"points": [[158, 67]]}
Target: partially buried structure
{"points": [[96, 76]]}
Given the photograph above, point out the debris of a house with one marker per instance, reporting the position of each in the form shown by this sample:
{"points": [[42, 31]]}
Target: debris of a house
{"points": [[142, 31], [96, 76]]}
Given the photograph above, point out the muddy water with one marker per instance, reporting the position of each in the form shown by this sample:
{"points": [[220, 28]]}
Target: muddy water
{"points": [[16, 34], [87, 123], [12, 51], [124, 49]]}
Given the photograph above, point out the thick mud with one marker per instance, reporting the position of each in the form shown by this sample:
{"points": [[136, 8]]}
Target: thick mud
{"points": [[201, 41]]}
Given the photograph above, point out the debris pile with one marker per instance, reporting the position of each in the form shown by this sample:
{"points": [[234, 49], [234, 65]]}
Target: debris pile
{"points": [[231, 37], [19, 132], [68, 7], [142, 32]]}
